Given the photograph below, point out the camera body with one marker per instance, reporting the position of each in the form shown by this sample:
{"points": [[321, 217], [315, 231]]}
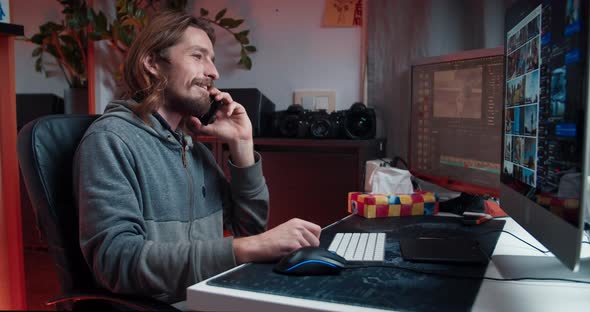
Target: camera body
{"points": [[290, 123], [358, 122], [324, 125]]}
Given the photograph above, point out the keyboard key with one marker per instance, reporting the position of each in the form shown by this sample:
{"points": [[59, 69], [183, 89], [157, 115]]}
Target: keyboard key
{"points": [[380, 247], [360, 249], [343, 244], [335, 242], [370, 250], [352, 246]]}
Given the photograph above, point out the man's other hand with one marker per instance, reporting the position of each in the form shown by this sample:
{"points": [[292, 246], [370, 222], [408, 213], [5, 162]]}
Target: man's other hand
{"points": [[277, 242]]}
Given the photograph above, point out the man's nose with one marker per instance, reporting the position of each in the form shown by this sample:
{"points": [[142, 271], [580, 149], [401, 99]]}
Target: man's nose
{"points": [[211, 71]]}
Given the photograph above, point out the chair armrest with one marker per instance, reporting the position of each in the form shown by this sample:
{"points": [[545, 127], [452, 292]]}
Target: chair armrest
{"points": [[136, 303]]}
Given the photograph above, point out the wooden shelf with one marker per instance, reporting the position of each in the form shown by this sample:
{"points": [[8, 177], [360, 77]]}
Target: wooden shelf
{"points": [[11, 30], [308, 179]]}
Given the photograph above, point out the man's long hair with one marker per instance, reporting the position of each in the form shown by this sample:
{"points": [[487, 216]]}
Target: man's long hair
{"points": [[163, 31]]}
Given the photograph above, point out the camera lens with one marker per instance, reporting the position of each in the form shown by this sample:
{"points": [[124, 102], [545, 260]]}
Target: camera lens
{"points": [[360, 125], [320, 128], [359, 122], [290, 126]]}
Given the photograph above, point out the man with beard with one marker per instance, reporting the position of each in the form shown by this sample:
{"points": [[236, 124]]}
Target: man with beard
{"points": [[153, 203]]}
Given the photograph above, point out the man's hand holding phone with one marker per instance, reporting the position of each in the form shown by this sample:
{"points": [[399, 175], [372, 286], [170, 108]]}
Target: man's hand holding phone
{"points": [[209, 117], [230, 124]]}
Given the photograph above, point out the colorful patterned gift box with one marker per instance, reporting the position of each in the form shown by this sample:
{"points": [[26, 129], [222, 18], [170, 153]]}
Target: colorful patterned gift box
{"points": [[392, 205]]}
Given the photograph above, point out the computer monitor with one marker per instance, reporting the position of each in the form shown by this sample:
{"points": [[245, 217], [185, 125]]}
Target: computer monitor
{"points": [[544, 185], [456, 120]]}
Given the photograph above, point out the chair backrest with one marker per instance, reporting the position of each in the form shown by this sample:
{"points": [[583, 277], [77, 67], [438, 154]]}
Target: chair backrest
{"points": [[46, 148]]}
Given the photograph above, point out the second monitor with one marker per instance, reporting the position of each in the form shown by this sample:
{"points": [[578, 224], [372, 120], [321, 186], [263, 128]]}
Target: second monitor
{"points": [[455, 134]]}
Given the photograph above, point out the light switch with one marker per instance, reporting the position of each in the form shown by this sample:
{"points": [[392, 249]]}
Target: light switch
{"points": [[307, 102], [322, 102], [316, 99]]}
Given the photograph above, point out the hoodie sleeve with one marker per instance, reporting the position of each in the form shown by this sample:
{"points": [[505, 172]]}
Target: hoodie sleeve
{"points": [[247, 213], [113, 232]]}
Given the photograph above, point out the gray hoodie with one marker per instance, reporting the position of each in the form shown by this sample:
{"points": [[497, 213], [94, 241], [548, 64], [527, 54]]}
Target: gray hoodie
{"points": [[152, 223]]}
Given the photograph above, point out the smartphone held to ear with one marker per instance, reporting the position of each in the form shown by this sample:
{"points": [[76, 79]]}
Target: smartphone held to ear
{"points": [[209, 117]]}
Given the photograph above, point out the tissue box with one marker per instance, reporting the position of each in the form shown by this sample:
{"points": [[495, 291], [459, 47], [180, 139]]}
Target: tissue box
{"points": [[392, 205]]}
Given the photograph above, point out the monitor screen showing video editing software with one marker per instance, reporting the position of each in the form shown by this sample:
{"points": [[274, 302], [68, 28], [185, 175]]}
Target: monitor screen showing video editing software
{"points": [[455, 135]]}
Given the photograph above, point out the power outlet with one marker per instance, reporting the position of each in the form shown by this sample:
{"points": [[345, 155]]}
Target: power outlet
{"points": [[316, 99]]}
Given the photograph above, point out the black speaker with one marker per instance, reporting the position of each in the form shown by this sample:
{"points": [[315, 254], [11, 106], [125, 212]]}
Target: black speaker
{"points": [[259, 108], [35, 105]]}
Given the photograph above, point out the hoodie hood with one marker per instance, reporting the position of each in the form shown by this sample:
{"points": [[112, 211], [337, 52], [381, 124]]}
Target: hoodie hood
{"points": [[124, 109]]}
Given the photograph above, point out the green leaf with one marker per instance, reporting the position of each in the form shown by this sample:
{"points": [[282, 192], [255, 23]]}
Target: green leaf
{"points": [[237, 23], [37, 52], [226, 22], [50, 27], [37, 39], [204, 12], [90, 15], [250, 48], [96, 36], [242, 39], [52, 50], [220, 14], [244, 33], [38, 65], [69, 41], [247, 62], [121, 7], [230, 22], [139, 14], [130, 7], [101, 23]]}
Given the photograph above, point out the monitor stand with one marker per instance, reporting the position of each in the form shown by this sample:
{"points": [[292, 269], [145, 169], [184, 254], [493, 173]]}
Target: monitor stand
{"points": [[512, 266]]}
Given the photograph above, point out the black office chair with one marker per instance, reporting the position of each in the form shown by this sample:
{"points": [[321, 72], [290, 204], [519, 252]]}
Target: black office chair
{"points": [[46, 148]]}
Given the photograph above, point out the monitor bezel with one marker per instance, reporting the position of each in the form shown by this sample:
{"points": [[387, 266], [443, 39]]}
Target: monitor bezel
{"points": [[562, 238], [446, 182]]}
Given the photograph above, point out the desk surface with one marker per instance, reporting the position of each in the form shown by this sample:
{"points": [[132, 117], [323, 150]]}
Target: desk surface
{"points": [[255, 287]]}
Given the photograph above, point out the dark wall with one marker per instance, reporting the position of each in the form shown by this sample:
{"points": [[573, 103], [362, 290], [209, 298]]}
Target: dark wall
{"points": [[402, 31]]}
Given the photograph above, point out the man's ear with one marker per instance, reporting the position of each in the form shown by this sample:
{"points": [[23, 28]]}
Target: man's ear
{"points": [[151, 65]]}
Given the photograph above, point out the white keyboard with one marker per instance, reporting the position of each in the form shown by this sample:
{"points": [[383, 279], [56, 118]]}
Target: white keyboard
{"points": [[359, 246]]}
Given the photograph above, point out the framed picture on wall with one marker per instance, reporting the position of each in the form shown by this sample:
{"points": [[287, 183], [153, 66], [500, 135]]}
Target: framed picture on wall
{"points": [[4, 11]]}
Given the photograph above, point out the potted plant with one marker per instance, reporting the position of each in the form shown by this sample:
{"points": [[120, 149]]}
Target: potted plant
{"points": [[133, 15], [67, 43]]}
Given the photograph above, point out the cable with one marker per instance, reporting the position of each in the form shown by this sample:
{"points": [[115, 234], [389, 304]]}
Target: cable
{"points": [[520, 239], [396, 159], [387, 265]]}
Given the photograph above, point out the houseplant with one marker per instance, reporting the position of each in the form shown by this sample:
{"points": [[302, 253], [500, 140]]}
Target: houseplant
{"points": [[133, 15], [67, 41]]}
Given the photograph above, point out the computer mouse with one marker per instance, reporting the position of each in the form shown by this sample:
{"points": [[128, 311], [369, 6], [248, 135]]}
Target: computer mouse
{"points": [[311, 261]]}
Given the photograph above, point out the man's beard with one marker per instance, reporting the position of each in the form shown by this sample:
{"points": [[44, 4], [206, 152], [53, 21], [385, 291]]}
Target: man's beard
{"points": [[186, 105]]}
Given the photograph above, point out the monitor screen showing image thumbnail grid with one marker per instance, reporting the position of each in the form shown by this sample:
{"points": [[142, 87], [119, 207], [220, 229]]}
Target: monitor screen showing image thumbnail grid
{"points": [[544, 108]]}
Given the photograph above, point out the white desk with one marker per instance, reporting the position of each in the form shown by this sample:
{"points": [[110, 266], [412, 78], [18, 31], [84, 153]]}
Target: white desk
{"points": [[492, 296]]}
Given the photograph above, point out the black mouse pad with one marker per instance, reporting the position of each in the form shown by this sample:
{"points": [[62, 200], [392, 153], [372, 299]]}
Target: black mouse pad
{"points": [[437, 250], [381, 287]]}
